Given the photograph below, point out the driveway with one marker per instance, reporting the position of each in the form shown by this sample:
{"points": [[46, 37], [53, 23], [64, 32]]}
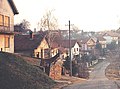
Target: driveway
{"points": [[97, 79]]}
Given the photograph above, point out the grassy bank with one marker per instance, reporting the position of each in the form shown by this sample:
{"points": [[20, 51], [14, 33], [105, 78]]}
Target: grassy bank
{"points": [[15, 73]]}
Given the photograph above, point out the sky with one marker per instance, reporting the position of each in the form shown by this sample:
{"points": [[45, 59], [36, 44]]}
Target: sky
{"points": [[87, 15]]}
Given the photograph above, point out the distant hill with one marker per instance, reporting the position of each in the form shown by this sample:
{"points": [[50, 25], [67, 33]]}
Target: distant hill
{"points": [[15, 73]]}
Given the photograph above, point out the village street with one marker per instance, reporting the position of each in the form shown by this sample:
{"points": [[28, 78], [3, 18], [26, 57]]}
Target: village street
{"points": [[97, 79]]}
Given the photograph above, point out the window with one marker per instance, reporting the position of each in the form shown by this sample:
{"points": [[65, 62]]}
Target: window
{"points": [[46, 53], [7, 21], [77, 49], [37, 54], [7, 41], [4, 20], [42, 53], [1, 20], [74, 50]]}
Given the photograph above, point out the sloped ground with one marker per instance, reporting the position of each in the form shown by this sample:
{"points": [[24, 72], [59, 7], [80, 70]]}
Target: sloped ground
{"points": [[15, 73], [31, 61], [113, 70]]}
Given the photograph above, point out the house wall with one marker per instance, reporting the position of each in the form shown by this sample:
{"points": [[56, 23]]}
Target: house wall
{"points": [[115, 39], [11, 44], [64, 54], [1, 42], [90, 44], [84, 46], [54, 52], [5, 10], [103, 43], [108, 39], [75, 50], [42, 46]]}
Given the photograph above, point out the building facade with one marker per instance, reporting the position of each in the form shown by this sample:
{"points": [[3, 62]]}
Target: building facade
{"points": [[7, 12]]}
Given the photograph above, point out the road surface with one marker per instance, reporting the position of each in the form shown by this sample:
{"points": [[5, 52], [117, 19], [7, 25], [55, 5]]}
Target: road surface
{"points": [[97, 79]]}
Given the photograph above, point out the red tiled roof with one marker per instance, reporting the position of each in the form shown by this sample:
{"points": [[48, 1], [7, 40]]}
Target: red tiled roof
{"points": [[62, 49], [24, 42], [54, 45], [65, 43], [84, 40], [113, 34], [100, 38]]}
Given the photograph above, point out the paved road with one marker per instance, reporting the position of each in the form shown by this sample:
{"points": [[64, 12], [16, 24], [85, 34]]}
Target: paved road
{"points": [[97, 79]]}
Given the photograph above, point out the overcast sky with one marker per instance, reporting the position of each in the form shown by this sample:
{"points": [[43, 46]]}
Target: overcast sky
{"points": [[88, 15]]}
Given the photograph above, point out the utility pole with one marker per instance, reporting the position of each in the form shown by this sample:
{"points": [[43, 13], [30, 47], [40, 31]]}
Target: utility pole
{"points": [[70, 50], [70, 47]]}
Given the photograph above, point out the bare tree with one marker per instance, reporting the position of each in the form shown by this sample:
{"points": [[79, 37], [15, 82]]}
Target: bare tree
{"points": [[48, 21], [75, 32], [25, 24], [75, 28], [22, 26]]}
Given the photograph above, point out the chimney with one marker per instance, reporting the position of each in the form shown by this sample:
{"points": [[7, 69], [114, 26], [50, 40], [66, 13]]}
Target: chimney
{"points": [[34, 30], [31, 35]]}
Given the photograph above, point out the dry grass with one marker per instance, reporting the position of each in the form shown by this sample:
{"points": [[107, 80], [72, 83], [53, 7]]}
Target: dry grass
{"points": [[16, 73], [113, 70]]}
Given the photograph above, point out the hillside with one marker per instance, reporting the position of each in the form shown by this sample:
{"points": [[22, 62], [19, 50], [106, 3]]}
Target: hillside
{"points": [[15, 73]]}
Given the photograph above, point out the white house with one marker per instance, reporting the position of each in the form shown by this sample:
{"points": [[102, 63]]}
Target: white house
{"points": [[75, 47]]}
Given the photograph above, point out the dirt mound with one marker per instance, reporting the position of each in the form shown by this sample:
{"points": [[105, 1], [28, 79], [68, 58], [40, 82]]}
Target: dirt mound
{"points": [[15, 73]]}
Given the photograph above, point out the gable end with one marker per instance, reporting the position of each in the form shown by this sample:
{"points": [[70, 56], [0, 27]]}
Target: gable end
{"points": [[14, 9]]}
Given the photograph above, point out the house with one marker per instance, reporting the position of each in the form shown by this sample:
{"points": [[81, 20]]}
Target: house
{"points": [[102, 41], [88, 57], [36, 45], [7, 12], [111, 37], [56, 66], [75, 47], [88, 51], [53, 65], [88, 44], [32, 45], [54, 48]]}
